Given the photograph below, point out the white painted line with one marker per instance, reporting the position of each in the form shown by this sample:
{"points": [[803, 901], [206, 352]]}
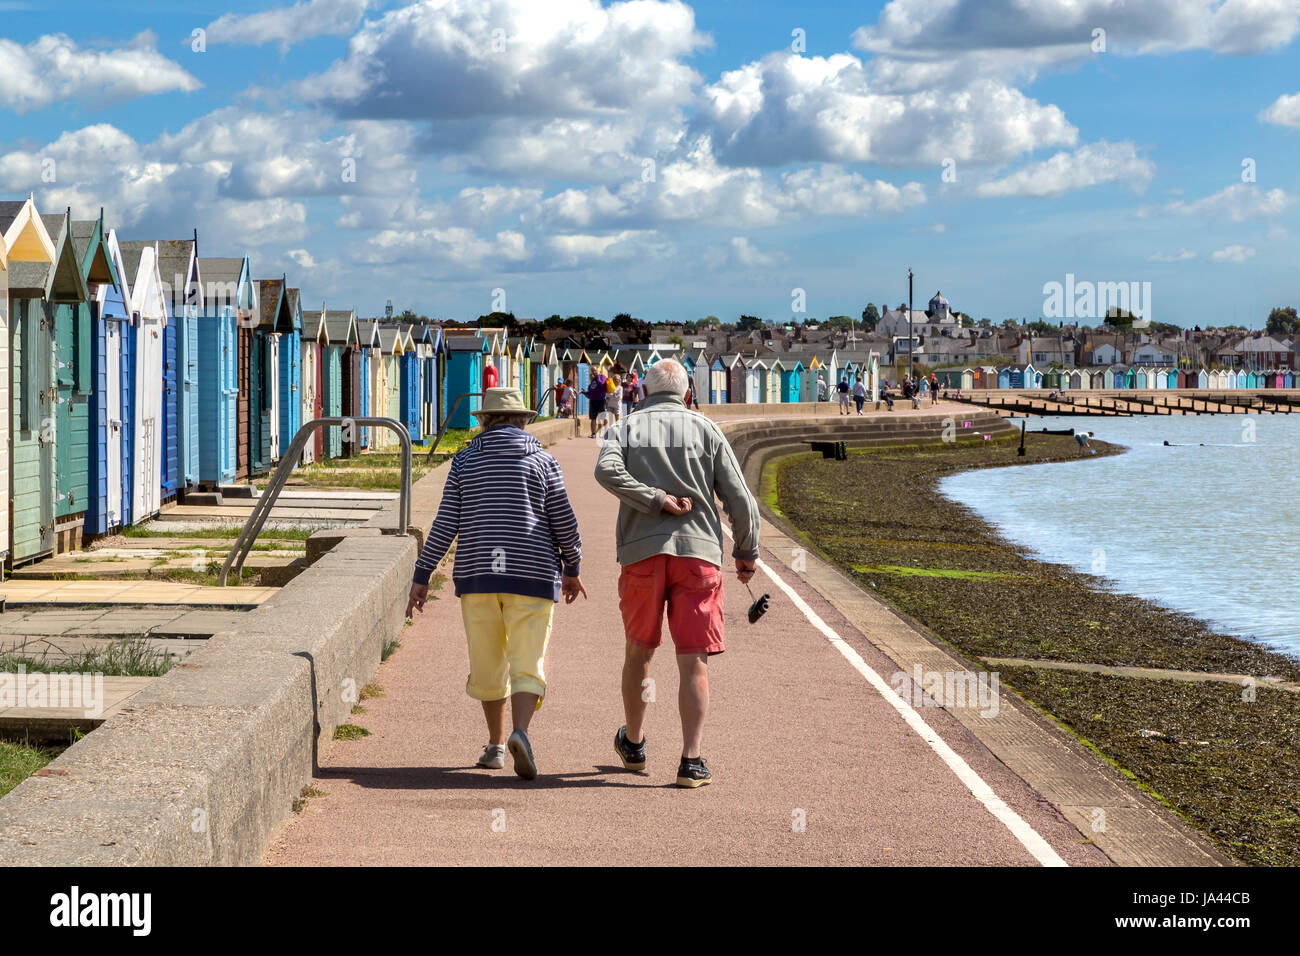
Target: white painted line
{"points": [[1039, 848]]}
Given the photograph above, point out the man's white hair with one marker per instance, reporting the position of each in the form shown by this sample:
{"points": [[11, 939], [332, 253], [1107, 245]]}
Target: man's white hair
{"points": [[666, 375]]}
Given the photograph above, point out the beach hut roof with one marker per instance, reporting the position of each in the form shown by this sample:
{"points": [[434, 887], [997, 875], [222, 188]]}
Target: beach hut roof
{"points": [[131, 254], [25, 236], [28, 277], [391, 338], [341, 327], [368, 333], [465, 343], [65, 280], [293, 302], [220, 276], [96, 266], [178, 267], [273, 312]]}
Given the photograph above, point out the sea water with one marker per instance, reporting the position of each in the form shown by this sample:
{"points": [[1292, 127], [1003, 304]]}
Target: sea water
{"points": [[1208, 524]]}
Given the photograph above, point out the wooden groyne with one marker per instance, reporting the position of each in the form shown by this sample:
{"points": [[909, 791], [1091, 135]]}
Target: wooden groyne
{"points": [[1129, 403]]}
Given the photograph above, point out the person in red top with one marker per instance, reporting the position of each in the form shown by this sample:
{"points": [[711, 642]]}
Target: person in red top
{"points": [[489, 376]]}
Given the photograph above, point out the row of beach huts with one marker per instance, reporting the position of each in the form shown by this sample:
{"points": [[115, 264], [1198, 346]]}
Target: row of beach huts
{"points": [[1114, 377], [134, 371]]}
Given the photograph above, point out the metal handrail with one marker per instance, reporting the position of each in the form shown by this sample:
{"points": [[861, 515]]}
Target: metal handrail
{"points": [[446, 423], [262, 509]]}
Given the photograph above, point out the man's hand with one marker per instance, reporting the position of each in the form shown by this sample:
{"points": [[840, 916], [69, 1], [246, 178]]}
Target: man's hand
{"points": [[571, 588], [419, 594], [676, 506], [745, 569]]}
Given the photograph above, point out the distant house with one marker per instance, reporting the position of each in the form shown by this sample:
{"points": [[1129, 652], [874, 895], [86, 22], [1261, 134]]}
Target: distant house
{"points": [[1266, 352], [1045, 350], [1106, 354], [1152, 353]]}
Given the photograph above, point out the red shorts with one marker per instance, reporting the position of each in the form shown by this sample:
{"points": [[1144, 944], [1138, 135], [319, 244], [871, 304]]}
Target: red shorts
{"points": [[692, 589]]}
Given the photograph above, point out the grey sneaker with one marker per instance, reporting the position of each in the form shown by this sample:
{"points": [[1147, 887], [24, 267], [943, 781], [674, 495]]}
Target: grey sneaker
{"points": [[522, 752], [494, 757]]}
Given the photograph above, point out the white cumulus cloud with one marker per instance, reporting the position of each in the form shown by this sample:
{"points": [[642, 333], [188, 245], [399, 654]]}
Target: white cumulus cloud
{"points": [[54, 67], [288, 25], [1089, 165], [1233, 254]]}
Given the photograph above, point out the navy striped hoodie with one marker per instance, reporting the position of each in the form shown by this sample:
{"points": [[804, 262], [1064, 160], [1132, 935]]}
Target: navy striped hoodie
{"points": [[505, 504]]}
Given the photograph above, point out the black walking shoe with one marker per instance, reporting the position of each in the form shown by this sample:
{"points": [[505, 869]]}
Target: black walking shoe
{"points": [[632, 755], [693, 773]]}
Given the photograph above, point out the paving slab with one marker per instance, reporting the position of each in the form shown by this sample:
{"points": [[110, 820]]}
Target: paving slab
{"points": [[77, 593], [45, 721]]}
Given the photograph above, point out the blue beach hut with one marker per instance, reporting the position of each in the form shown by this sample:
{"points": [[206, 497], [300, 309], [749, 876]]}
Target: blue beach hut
{"points": [[218, 382], [466, 352], [412, 368], [178, 267], [290, 377]]}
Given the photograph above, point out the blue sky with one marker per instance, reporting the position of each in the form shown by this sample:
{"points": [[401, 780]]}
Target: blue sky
{"points": [[507, 144]]}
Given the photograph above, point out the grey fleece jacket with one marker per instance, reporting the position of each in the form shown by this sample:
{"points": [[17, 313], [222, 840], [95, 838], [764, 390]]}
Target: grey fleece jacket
{"points": [[661, 449]]}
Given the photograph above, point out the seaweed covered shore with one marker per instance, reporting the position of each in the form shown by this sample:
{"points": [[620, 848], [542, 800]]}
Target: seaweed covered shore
{"points": [[1223, 755]]}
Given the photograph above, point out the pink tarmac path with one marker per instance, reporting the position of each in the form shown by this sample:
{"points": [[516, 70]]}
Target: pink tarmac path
{"points": [[796, 734]]}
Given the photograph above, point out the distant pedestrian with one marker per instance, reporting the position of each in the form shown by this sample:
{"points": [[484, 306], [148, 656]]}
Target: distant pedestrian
{"points": [[596, 398], [489, 376], [844, 390], [1085, 443], [517, 552], [886, 397], [859, 394], [614, 397], [631, 393], [667, 466], [821, 390], [563, 399]]}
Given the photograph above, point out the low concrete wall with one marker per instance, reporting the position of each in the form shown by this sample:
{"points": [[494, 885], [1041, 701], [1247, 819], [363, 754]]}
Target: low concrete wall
{"points": [[553, 430], [802, 409], [755, 441], [204, 763]]}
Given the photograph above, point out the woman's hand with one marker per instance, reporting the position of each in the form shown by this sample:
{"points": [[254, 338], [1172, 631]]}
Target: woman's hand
{"points": [[570, 588], [415, 602]]}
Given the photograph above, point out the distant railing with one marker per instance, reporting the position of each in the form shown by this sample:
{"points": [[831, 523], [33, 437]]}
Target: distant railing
{"points": [[266, 500]]}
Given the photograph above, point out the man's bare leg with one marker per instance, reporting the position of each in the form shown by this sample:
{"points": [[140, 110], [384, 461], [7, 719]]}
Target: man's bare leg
{"points": [[693, 700], [636, 669]]}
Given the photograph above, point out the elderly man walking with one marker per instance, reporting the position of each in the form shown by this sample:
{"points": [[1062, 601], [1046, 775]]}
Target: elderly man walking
{"points": [[666, 464], [517, 552]]}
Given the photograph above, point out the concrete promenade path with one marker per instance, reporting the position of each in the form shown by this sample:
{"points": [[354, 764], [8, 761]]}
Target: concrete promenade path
{"points": [[813, 763]]}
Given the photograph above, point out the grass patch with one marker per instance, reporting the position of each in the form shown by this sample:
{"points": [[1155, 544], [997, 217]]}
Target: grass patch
{"points": [[129, 658], [957, 573], [219, 531], [350, 732], [372, 690], [19, 760]]}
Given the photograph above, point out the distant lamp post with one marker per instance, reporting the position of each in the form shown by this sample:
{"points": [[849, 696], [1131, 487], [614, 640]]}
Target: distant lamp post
{"points": [[911, 340]]}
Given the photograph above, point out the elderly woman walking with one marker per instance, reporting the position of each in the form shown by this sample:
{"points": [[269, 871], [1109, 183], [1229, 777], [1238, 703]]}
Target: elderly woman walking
{"points": [[517, 552]]}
